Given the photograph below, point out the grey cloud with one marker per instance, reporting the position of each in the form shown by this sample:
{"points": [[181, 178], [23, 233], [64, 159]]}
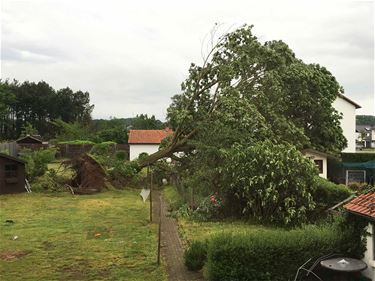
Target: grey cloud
{"points": [[132, 56]]}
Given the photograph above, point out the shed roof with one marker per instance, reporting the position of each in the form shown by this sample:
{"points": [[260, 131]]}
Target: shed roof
{"points": [[34, 138], [363, 205], [314, 151], [3, 155], [148, 136]]}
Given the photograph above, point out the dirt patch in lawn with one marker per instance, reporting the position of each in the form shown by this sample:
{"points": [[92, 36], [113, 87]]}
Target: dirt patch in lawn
{"points": [[13, 255]]}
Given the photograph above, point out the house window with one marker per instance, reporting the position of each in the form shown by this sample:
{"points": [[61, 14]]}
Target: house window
{"points": [[319, 165], [10, 171]]}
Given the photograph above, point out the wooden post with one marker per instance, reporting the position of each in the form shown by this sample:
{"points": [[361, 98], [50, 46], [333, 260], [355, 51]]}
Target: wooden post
{"points": [[151, 194], [159, 236]]}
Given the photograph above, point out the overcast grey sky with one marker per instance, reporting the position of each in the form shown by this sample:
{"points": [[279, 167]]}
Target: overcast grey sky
{"points": [[133, 55]]}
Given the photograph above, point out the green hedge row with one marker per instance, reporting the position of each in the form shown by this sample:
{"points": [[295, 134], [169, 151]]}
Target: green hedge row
{"points": [[196, 255], [357, 157], [329, 194], [273, 254]]}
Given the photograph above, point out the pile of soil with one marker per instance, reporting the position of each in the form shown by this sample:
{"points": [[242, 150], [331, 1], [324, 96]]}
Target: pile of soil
{"points": [[90, 175]]}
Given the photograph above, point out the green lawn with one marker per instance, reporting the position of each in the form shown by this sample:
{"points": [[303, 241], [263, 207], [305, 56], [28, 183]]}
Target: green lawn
{"points": [[61, 169], [195, 230], [63, 237], [191, 230]]}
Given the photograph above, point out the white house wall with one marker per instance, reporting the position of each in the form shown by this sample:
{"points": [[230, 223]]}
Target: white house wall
{"points": [[136, 149], [369, 258], [347, 122]]}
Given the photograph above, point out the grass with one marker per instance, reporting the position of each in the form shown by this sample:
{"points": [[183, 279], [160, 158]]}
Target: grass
{"points": [[173, 197], [195, 230], [61, 169], [105, 236], [191, 230]]}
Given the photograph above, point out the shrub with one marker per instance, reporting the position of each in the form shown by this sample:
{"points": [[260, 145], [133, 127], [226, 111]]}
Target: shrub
{"points": [[122, 169], [37, 160], [174, 198], [361, 187], [273, 254], [103, 149], [142, 156], [357, 157], [209, 208], [327, 193], [121, 155], [275, 181], [195, 256], [50, 181]]}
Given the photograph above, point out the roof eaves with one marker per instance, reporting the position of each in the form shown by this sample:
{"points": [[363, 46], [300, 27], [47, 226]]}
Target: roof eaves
{"points": [[349, 100], [12, 158]]}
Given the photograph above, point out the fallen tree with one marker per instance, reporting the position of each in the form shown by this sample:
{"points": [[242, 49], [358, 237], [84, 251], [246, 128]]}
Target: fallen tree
{"points": [[292, 97], [89, 175]]}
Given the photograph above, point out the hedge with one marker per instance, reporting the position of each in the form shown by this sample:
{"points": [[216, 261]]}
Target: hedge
{"points": [[329, 194], [195, 256], [357, 157], [272, 255], [76, 142]]}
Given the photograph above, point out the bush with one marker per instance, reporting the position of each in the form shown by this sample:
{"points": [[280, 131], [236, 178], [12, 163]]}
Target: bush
{"points": [[209, 208], [357, 157], [122, 169], [361, 188], [37, 160], [195, 256], [121, 155], [275, 181], [275, 254], [328, 194], [50, 181], [174, 198], [103, 149]]}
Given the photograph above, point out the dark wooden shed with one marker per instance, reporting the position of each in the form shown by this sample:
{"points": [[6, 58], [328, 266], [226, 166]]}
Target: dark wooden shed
{"points": [[12, 174]]}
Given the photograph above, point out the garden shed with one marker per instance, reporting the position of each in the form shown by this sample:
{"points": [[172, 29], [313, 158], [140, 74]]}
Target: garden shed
{"points": [[320, 160], [12, 174], [30, 140], [364, 206]]}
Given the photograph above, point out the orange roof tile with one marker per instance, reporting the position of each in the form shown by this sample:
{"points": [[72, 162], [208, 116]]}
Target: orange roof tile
{"points": [[363, 205], [148, 136]]}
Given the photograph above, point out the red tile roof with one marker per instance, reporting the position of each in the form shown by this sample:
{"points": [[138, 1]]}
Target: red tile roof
{"points": [[148, 136], [363, 205]]}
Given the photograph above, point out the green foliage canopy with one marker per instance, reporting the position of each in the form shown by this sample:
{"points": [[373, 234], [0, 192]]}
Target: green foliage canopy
{"points": [[37, 160], [365, 120], [275, 181], [37, 104], [294, 98]]}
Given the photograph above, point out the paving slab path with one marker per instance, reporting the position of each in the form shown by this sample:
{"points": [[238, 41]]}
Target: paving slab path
{"points": [[171, 245]]}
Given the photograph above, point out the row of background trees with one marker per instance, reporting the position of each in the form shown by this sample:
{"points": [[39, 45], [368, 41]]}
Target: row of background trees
{"points": [[37, 108]]}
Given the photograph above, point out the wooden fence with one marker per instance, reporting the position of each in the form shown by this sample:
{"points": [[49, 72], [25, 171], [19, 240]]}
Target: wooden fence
{"points": [[9, 148]]}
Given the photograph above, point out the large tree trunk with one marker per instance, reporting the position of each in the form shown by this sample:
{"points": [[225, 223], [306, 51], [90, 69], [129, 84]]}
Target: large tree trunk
{"points": [[168, 151]]}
